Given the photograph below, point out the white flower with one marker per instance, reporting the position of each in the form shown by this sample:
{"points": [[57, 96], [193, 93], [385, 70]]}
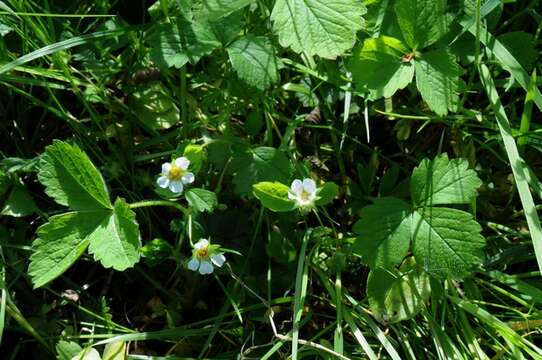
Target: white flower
{"points": [[204, 257], [175, 175], [303, 192]]}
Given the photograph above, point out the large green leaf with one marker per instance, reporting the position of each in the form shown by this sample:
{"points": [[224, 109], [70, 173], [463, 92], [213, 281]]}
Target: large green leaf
{"points": [[71, 179], [384, 232], [60, 243], [377, 67], [326, 28], [397, 295], [154, 107], [116, 241], [422, 22], [274, 196], [443, 181], [202, 200], [215, 9], [254, 60], [446, 242], [259, 164], [437, 79], [180, 41]]}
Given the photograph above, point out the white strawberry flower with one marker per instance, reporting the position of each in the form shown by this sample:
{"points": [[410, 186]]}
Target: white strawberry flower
{"points": [[175, 175], [303, 192], [205, 256]]}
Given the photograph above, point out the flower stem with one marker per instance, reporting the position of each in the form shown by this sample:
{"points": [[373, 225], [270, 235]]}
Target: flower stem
{"points": [[147, 203]]}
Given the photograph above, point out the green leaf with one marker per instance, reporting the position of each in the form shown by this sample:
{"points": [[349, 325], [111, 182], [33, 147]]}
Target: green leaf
{"points": [[71, 179], [259, 164], [60, 243], [216, 9], [437, 79], [422, 22], [326, 193], [180, 41], [377, 67], [19, 202], [202, 200], [384, 232], [396, 296], [446, 242], [254, 60], [154, 107], [196, 155], [443, 181], [156, 251], [274, 196], [66, 350], [88, 354], [522, 46], [318, 27], [115, 351], [116, 241]]}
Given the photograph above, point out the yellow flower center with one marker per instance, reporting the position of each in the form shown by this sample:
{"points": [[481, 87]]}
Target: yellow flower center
{"points": [[202, 252], [305, 196], [175, 173]]}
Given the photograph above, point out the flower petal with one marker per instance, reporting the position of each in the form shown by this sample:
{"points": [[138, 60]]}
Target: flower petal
{"points": [[165, 168], [193, 264], [182, 162], [201, 244], [218, 259], [309, 185], [291, 195], [205, 267], [176, 186], [163, 182], [297, 186], [188, 178]]}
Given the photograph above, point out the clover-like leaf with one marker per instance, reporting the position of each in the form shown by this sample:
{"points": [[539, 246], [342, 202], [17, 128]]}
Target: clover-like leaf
{"points": [[422, 22], [384, 232], [71, 179], [274, 196], [326, 28], [443, 181]]}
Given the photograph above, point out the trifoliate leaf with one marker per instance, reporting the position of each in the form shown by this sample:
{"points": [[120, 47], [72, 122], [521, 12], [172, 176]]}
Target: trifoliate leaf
{"points": [[443, 181], [326, 193], [422, 22], [446, 242], [71, 179], [66, 350], [397, 295], [326, 28], [202, 200], [437, 79], [259, 164], [19, 202], [377, 67], [216, 9], [116, 241], [274, 196], [253, 59], [154, 107], [384, 232], [60, 243], [180, 41]]}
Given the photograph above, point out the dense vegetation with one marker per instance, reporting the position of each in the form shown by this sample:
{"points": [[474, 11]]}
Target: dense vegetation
{"points": [[268, 179]]}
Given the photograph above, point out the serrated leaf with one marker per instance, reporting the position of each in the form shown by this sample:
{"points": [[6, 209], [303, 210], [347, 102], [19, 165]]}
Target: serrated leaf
{"points": [[422, 22], [61, 242], [216, 9], [377, 67], [274, 196], [443, 181], [154, 107], [384, 233], [116, 241], [202, 200], [396, 295], [446, 242], [66, 350], [179, 41], [437, 79], [71, 179], [326, 28], [253, 59], [259, 164], [326, 193]]}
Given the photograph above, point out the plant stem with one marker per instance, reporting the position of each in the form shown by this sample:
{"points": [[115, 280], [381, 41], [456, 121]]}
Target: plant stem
{"points": [[147, 203]]}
